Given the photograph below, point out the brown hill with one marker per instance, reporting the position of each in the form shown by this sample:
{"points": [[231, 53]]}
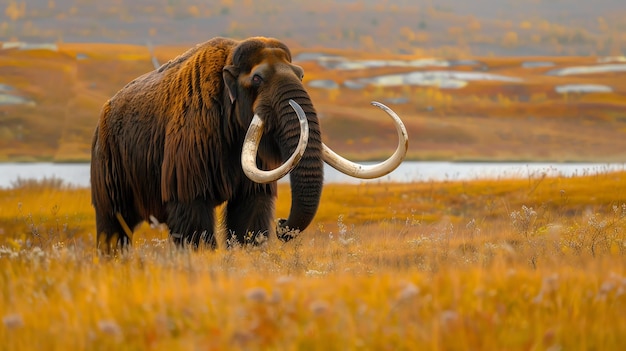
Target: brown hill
{"points": [[480, 27], [488, 108], [50, 98]]}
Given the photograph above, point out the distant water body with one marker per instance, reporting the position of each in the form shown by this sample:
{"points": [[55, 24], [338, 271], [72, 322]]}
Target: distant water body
{"points": [[77, 174]]}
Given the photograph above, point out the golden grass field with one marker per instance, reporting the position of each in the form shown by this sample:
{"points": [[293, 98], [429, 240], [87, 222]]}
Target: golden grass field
{"points": [[525, 264]]}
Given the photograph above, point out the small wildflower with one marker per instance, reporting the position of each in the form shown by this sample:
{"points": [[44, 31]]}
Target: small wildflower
{"points": [[448, 316], [419, 241], [257, 295], [110, 327], [36, 252], [260, 239], [156, 242], [346, 241], [16, 245], [276, 297], [550, 283], [58, 246], [13, 321], [606, 287], [620, 291], [471, 224], [284, 279], [319, 307], [313, 272], [8, 252], [241, 337], [524, 220], [409, 291]]}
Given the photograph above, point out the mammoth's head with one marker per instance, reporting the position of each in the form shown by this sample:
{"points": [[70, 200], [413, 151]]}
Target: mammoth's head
{"points": [[260, 73], [269, 99]]}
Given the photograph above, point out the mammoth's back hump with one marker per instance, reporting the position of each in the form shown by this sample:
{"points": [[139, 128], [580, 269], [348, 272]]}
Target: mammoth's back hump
{"points": [[141, 112]]}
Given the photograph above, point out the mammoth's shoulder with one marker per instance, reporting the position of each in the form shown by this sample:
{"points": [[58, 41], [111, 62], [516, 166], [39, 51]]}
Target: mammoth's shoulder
{"points": [[202, 63], [213, 51]]}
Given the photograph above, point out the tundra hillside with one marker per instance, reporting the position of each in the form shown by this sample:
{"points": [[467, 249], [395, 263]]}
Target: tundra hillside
{"points": [[491, 80], [480, 27], [478, 108]]}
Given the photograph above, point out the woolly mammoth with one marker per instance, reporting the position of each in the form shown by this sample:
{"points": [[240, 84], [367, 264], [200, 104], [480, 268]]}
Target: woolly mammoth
{"points": [[219, 124]]}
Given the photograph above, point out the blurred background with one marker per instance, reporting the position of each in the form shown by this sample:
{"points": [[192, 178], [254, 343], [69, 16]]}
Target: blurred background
{"points": [[478, 27], [481, 80]]}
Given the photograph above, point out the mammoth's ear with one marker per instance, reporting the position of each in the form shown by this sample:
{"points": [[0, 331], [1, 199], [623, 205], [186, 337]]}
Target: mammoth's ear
{"points": [[230, 74]]}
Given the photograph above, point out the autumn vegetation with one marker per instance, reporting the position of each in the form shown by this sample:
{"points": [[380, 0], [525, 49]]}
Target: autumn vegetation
{"points": [[533, 263]]}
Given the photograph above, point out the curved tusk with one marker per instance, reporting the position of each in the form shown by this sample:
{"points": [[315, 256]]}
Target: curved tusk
{"points": [[372, 171], [251, 146]]}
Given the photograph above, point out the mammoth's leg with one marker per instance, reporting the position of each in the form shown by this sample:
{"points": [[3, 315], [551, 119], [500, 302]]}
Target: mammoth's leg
{"points": [[114, 230], [249, 219], [111, 196], [192, 223]]}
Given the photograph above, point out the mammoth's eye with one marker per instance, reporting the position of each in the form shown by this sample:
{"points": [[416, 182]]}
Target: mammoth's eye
{"points": [[257, 80]]}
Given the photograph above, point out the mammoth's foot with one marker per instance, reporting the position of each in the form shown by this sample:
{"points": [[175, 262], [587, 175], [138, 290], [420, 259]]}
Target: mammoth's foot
{"points": [[112, 245], [258, 238], [196, 240], [285, 233]]}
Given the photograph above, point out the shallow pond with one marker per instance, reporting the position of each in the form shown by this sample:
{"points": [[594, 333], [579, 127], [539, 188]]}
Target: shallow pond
{"points": [[78, 173]]}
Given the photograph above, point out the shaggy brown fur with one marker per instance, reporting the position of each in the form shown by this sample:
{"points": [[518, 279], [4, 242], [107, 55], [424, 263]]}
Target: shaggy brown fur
{"points": [[168, 144]]}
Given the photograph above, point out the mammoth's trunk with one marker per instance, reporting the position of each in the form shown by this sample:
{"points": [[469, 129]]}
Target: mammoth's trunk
{"points": [[308, 176]]}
